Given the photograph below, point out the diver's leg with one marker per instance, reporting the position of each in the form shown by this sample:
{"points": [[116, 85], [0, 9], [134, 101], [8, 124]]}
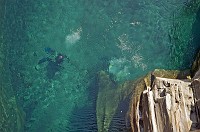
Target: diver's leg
{"points": [[43, 60]]}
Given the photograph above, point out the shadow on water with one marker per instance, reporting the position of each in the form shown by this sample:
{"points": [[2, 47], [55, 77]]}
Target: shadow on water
{"points": [[120, 121], [196, 33], [193, 46], [84, 119]]}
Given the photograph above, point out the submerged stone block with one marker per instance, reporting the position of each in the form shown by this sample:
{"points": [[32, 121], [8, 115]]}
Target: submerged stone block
{"points": [[109, 97]]}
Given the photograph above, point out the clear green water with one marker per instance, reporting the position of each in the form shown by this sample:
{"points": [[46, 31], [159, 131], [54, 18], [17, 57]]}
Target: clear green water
{"points": [[126, 38]]}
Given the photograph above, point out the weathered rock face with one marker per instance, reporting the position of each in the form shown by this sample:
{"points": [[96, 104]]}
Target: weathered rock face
{"points": [[166, 105], [109, 97], [196, 111], [196, 89], [11, 116], [142, 85]]}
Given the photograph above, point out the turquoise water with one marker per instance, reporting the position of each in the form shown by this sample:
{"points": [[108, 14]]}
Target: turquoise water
{"points": [[126, 38]]}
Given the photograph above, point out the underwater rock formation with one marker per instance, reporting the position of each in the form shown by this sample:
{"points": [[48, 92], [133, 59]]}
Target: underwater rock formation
{"points": [[109, 97], [111, 94], [11, 116]]}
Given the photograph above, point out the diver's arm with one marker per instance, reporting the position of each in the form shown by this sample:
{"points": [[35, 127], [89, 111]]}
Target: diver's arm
{"points": [[43, 60]]}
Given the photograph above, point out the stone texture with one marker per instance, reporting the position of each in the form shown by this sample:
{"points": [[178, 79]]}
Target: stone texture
{"points": [[196, 65], [166, 104], [196, 110], [196, 89], [109, 97], [141, 85], [111, 94]]}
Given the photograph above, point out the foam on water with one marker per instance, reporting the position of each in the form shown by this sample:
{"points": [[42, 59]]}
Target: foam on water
{"points": [[73, 37], [119, 68]]}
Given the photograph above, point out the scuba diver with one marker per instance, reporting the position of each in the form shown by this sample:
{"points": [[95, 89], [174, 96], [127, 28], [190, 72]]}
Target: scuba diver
{"points": [[53, 65]]}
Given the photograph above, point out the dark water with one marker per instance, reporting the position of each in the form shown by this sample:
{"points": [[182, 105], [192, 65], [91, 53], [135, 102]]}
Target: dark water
{"points": [[126, 38]]}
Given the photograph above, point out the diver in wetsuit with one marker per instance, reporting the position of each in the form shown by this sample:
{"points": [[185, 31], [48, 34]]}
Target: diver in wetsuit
{"points": [[53, 65]]}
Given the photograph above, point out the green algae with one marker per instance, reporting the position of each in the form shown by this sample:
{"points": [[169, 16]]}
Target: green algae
{"points": [[109, 97]]}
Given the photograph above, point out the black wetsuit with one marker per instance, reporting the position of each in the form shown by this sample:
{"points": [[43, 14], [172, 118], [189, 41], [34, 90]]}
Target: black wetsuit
{"points": [[53, 66]]}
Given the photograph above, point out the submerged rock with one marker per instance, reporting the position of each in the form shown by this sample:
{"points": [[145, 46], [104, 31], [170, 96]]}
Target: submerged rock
{"points": [[111, 94], [109, 97]]}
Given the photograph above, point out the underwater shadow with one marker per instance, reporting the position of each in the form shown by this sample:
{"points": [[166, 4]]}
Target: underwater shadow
{"points": [[196, 35], [120, 121], [84, 118]]}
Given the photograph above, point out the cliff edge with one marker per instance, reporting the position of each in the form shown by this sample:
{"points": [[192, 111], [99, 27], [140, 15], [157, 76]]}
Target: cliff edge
{"points": [[167, 104]]}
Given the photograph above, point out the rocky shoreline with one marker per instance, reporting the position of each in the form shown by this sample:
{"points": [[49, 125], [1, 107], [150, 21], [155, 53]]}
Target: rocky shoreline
{"points": [[167, 104], [163, 100]]}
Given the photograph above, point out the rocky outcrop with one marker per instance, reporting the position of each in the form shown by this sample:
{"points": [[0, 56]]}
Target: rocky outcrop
{"points": [[167, 104], [111, 94], [196, 111], [136, 103], [196, 90], [163, 100]]}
